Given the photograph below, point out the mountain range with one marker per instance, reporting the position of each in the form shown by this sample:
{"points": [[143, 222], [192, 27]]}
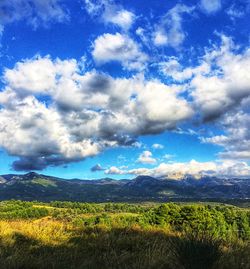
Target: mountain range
{"points": [[33, 186]]}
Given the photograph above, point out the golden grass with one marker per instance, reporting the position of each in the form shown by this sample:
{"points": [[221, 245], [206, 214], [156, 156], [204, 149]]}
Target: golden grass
{"points": [[49, 243], [45, 230]]}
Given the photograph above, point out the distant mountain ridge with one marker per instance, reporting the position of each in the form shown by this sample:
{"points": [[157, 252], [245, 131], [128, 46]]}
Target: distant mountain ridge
{"points": [[34, 186]]}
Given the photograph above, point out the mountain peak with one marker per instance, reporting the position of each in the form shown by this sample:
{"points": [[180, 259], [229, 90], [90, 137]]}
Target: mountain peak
{"points": [[142, 177], [34, 186], [144, 180], [32, 173]]}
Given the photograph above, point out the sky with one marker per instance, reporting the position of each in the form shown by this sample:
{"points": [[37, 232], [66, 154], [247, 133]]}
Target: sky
{"points": [[102, 88]]}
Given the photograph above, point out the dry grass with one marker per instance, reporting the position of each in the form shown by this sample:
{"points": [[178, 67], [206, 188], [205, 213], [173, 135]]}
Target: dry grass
{"points": [[48, 243], [45, 230]]}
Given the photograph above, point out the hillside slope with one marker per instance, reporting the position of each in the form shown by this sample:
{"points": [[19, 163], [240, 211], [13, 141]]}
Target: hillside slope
{"points": [[33, 186]]}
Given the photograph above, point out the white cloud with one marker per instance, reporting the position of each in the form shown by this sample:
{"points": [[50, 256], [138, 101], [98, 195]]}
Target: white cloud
{"points": [[39, 137], [157, 146], [160, 38], [143, 35], [220, 89], [221, 169], [98, 111], [156, 103], [178, 170], [38, 75], [122, 18], [210, 6], [85, 112], [228, 82], [93, 8], [235, 12], [169, 31], [236, 141], [114, 171], [146, 158], [120, 48], [172, 68], [110, 12], [34, 12], [219, 83]]}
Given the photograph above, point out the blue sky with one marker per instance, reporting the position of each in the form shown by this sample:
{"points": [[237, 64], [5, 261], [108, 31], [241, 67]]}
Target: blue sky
{"points": [[96, 88]]}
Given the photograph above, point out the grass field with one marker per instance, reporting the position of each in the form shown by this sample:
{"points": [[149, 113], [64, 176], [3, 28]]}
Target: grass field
{"points": [[69, 238]]}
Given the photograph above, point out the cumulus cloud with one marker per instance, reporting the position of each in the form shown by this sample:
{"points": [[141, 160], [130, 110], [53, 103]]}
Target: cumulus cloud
{"points": [[221, 169], [236, 141], [172, 68], [219, 83], [169, 31], [33, 12], [220, 89], [120, 48], [97, 168], [177, 170], [157, 146], [38, 136], [122, 18], [113, 170], [110, 12], [146, 157], [228, 82], [52, 112], [37, 75], [210, 6]]}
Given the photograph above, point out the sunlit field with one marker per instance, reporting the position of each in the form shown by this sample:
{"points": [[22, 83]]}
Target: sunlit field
{"points": [[79, 235]]}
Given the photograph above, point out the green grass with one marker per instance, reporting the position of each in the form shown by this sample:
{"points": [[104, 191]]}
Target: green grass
{"points": [[122, 236], [44, 182]]}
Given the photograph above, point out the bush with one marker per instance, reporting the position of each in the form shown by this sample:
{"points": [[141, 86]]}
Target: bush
{"points": [[196, 251]]}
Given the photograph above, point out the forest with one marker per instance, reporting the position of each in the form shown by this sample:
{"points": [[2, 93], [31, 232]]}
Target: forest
{"points": [[122, 235]]}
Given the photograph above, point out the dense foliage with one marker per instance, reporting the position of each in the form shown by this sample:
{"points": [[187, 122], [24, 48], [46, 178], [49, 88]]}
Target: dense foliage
{"points": [[21, 210], [221, 221], [225, 222]]}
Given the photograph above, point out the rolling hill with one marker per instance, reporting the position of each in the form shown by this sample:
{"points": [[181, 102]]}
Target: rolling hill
{"points": [[33, 186]]}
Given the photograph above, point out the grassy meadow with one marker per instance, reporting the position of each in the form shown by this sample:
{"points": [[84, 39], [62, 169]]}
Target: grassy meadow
{"points": [[123, 236]]}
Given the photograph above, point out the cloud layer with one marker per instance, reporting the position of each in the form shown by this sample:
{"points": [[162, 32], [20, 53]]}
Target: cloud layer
{"points": [[236, 140], [34, 12], [53, 114], [54, 111], [226, 169]]}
